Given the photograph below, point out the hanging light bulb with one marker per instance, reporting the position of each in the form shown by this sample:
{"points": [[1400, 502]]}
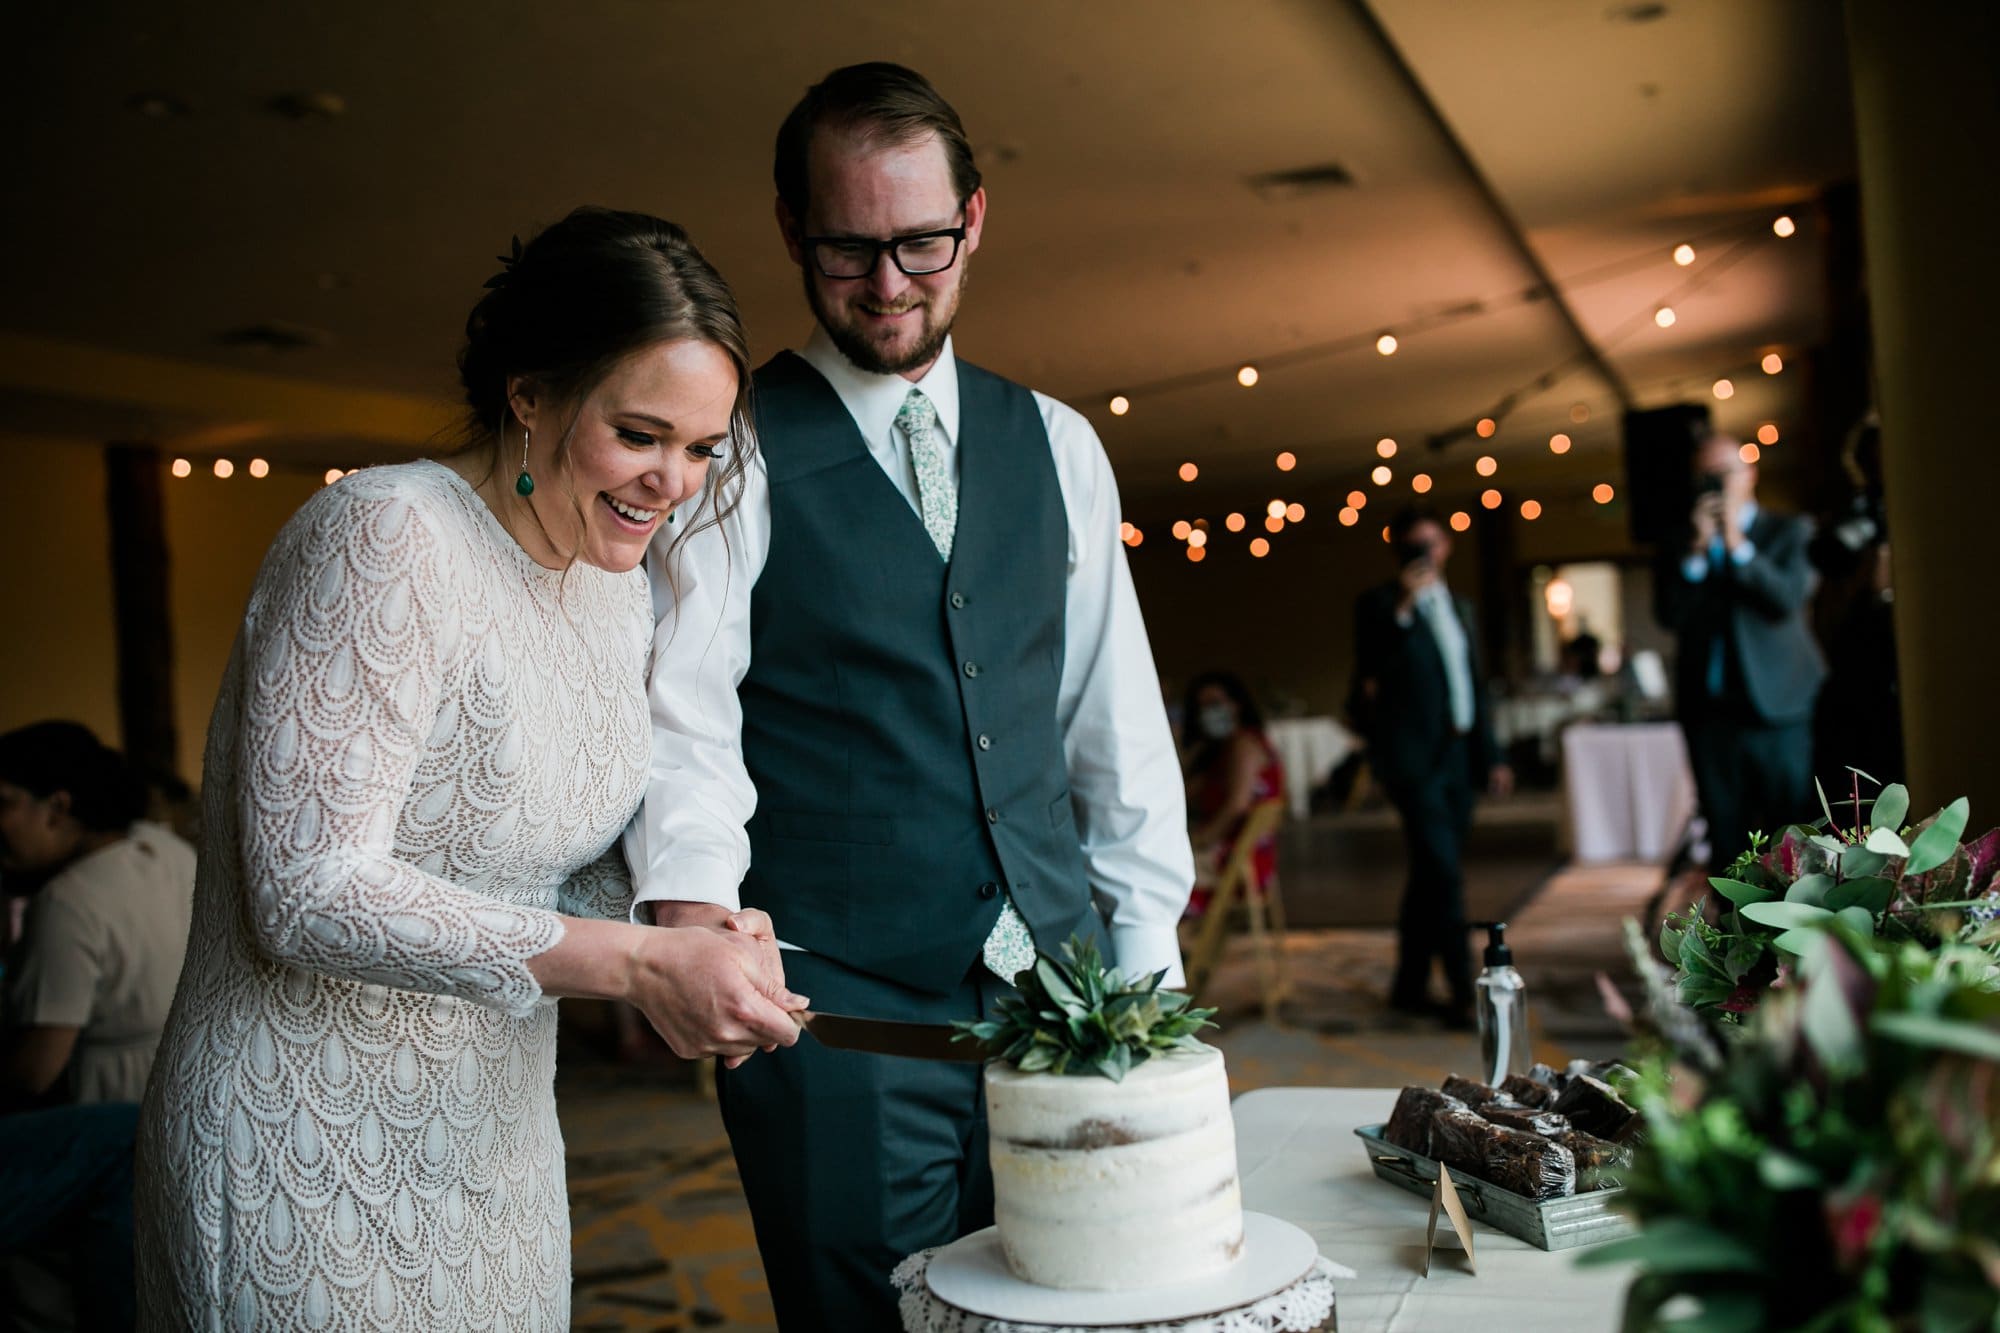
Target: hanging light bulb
{"points": [[224, 468], [1490, 499], [1259, 547], [333, 474], [1385, 448], [1287, 461], [1750, 453], [1723, 389], [1189, 472], [1486, 427], [1120, 405], [1421, 483], [1181, 530], [1246, 376], [1234, 522], [1197, 538], [1460, 521], [1487, 465], [1559, 443], [1357, 499], [1664, 317], [1602, 493], [1579, 412], [1772, 363], [1275, 509], [1349, 516], [1196, 554], [1275, 523], [1386, 344], [1784, 227], [1684, 254], [1381, 476], [1295, 512], [259, 468], [1531, 509], [1138, 535], [182, 467], [1125, 531], [1767, 434]]}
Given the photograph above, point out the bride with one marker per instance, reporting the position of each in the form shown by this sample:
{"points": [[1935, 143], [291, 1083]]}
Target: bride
{"points": [[431, 732]]}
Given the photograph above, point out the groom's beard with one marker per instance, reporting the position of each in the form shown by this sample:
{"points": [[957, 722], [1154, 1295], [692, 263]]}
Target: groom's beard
{"points": [[939, 313]]}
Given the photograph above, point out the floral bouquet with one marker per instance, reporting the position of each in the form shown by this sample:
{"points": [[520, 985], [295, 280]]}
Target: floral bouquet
{"points": [[1904, 883]]}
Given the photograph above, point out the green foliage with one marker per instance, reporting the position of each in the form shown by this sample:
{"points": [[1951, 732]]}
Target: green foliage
{"points": [[1073, 1015], [1832, 1165], [1879, 877]]}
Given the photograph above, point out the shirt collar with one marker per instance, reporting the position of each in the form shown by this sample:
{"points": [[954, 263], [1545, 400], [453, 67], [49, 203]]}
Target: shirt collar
{"points": [[873, 400]]}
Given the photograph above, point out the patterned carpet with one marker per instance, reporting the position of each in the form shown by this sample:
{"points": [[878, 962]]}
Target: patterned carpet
{"points": [[662, 1237]]}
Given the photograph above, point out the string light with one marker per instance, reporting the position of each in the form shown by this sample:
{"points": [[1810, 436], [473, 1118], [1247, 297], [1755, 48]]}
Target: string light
{"points": [[1767, 434], [1772, 363], [1275, 509], [1201, 525], [1664, 317], [1274, 524], [1137, 537], [1196, 554], [1357, 499], [1460, 520], [1120, 405], [1246, 376], [1295, 512], [1602, 493], [224, 468], [1724, 389], [1385, 534], [1287, 461], [1349, 516], [1487, 465], [1259, 548], [1490, 499], [1386, 344], [1784, 227], [1234, 522], [1579, 412], [1181, 530], [1559, 443], [182, 467], [1385, 448], [1749, 453], [333, 474], [1684, 254], [259, 468], [1531, 509], [1197, 538], [1421, 483], [1382, 476], [1486, 427], [1189, 472], [1125, 531]]}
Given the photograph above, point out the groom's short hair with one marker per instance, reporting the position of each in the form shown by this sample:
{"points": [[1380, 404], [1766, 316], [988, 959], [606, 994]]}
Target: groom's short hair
{"points": [[887, 102]]}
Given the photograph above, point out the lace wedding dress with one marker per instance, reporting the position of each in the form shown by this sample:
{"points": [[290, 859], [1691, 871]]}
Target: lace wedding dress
{"points": [[424, 749]]}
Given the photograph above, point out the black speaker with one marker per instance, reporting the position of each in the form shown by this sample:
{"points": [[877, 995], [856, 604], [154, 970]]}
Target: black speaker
{"points": [[1659, 466]]}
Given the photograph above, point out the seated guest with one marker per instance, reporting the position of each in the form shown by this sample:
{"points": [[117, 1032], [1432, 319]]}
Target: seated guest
{"points": [[1230, 768], [89, 983]]}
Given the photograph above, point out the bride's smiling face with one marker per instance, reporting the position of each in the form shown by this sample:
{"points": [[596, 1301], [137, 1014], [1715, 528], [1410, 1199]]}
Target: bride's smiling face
{"points": [[639, 446]]}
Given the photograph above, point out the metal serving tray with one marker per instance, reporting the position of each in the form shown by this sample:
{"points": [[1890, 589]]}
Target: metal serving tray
{"points": [[1549, 1224]]}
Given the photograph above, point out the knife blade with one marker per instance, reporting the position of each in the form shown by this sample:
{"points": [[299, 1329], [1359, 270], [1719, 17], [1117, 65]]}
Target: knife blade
{"points": [[882, 1036]]}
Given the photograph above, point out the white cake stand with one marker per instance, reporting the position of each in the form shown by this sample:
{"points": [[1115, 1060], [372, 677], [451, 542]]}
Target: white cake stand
{"points": [[1280, 1280]]}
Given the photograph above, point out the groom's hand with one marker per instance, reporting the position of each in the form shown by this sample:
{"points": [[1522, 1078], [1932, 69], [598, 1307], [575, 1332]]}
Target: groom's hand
{"points": [[703, 990], [749, 921]]}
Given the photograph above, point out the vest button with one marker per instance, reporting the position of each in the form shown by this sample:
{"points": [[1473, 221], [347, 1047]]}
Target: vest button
{"points": [[989, 891], [971, 670], [985, 741], [958, 601], [992, 815]]}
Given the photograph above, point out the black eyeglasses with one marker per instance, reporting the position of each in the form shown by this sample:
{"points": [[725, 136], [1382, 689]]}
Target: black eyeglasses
{"points": [[916, 254]]}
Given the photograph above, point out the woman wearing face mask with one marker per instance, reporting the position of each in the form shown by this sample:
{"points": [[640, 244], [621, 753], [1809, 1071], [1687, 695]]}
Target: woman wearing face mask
{"points": [[432, 730], [1230, 767]]}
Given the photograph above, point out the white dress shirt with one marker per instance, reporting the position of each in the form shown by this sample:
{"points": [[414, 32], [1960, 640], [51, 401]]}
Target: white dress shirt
{"points": [[688, 842]]}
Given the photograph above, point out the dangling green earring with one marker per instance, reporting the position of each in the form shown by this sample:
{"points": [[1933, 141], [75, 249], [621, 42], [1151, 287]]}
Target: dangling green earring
{"points": [[524, 484]]}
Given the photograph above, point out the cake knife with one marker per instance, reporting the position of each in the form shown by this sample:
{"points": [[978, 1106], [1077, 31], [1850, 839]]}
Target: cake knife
{"points": [[881, 1036]]}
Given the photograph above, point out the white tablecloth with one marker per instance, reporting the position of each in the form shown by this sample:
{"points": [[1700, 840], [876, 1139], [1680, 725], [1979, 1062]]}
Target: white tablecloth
{"points": [[1628, 790], [1299, 1160], [1310, 748]]}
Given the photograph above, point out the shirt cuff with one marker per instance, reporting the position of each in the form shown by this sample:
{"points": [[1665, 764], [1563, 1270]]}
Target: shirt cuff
{"points": [[1694, 568], [1743, 552], [1144, 950], [699, 879]]}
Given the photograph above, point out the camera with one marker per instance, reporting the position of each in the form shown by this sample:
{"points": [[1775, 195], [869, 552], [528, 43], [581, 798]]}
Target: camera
{"points": [[1708, 483]]}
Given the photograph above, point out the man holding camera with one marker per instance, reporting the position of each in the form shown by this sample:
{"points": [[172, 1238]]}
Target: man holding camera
{"points": [[1419, 698], [1734, 595]]}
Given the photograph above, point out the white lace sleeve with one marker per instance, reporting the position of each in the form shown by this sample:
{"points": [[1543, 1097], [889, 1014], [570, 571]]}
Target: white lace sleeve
{"points": [[344, 679], [602, 889]]}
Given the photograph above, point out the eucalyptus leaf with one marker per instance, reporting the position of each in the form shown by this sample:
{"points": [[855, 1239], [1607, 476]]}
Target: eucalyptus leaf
{"points": [[1798, 941], [1740, 893], [1830, 1027], [1781, 1171], [1892, 805], [1786, 916], [1939, 1033], [1858, 919], [1824, 807], [1934, 846], [1888, 842], [1872, 894], [1810, 889], [1856, 862]]}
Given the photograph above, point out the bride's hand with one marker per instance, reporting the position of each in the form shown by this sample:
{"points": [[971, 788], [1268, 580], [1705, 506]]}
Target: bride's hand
{"points": [[708, 992], [750, 921]]}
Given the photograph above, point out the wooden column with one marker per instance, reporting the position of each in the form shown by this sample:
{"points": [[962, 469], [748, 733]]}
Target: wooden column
{"points": [[144, 626]]}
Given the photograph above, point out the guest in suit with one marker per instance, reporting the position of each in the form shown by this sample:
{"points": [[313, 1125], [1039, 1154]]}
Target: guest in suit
{"points": [[1734, 594], [905, 705], [1419, 699]]}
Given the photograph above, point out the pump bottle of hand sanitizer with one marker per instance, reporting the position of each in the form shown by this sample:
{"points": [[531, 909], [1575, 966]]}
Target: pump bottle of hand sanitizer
{"points": [[1502, 1005]]}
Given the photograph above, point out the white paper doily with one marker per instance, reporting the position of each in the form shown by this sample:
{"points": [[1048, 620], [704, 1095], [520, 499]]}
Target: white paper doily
{"points": [[1305, 1305]]}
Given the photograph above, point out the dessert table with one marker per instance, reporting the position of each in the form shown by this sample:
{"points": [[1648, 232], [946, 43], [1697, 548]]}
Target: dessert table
{"points": [[1628, 789], [1298, 1159]]}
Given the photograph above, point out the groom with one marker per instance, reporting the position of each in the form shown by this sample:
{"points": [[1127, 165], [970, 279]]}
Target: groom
{"points": [[903, 702]]}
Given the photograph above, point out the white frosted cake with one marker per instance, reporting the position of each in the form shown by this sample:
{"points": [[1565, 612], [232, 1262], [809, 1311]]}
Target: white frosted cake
{"points": [[1107, 1186]]}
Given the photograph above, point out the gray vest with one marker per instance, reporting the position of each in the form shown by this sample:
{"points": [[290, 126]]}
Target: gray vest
{"points": [[899, 713]]}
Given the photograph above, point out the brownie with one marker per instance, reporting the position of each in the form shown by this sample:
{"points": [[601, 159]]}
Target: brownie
{"points": [[1528, 1092], [1595, 1159], [1527, 1119], [1410, 1123], [1595, 1108], [1469, 1092], [1524, 1163]]}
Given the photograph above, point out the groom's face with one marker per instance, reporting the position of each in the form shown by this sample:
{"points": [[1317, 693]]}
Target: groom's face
{"points": [[888, 322]]}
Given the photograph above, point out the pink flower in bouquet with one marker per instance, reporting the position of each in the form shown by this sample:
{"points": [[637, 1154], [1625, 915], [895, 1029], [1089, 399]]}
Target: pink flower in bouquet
{"points": [[1741, 1000], [1784, 977], [1783, 858], [1851, 1225]]}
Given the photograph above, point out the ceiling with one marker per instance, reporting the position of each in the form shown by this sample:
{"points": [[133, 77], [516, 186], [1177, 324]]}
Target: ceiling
{"points": [[1128, 248]]}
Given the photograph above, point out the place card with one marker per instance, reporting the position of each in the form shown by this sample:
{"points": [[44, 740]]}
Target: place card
{"points": [[1444, 1196]]}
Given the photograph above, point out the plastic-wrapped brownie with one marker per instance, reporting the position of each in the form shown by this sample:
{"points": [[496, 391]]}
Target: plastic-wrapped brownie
{"points": [[1410, 1123], [1595, 1108], [1528, 1092], [1527, 1119], [1510, 1158], [1470, 1092], [1595, 1159]]}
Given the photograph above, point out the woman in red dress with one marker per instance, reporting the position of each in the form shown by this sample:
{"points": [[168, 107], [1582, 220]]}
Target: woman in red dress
{"points": [[1230, 767]]}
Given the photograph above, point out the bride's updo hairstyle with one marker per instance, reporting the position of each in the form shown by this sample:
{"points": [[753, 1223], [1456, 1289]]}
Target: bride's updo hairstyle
{"points": [[575, 301]]}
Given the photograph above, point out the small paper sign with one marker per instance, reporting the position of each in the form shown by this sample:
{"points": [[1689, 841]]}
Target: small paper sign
{"points": [[1444, 1195]]}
